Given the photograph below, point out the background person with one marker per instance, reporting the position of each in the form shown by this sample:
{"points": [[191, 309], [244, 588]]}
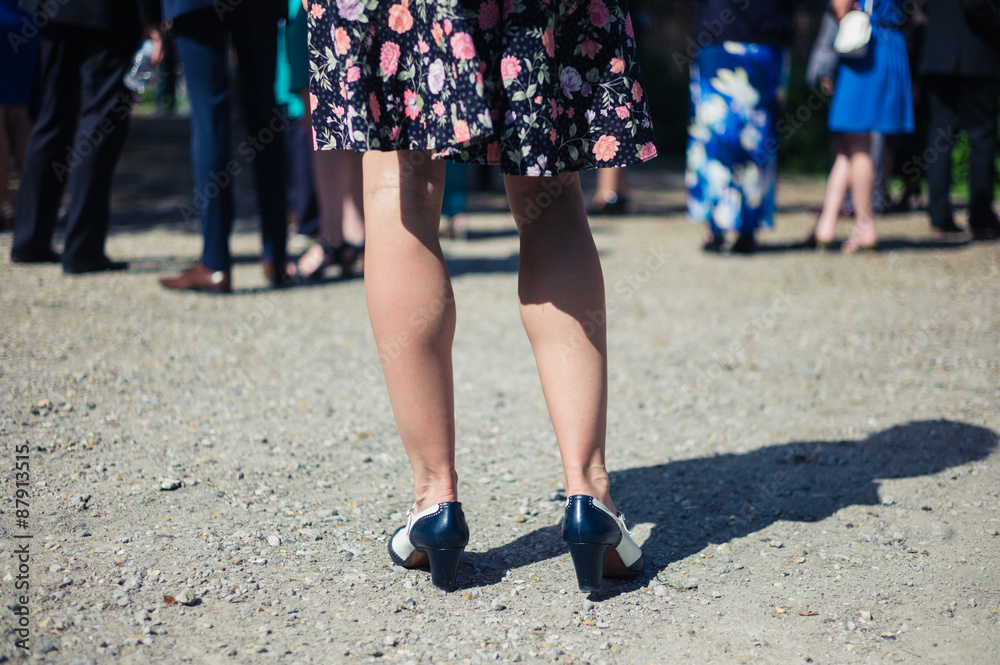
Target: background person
{"points": [[86, 49], [872, 94], [960, 64], [738, 84], [454, 207], [611, 195], [18, 57], [203, 31]]}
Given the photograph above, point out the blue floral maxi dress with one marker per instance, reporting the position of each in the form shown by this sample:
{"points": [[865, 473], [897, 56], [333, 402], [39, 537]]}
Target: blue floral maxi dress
{"points": [[737, 92], [540, 87]]}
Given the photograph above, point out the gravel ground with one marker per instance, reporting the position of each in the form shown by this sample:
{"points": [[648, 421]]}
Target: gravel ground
{"points": [[805, 444]]}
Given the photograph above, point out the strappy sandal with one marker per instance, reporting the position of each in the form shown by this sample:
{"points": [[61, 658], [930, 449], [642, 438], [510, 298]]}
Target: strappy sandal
{"points": [[348, 255], [329, 258]]}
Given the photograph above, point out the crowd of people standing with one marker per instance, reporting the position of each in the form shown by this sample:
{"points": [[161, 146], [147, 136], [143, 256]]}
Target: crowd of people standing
{"points": [[739, 80], [932, 67]]}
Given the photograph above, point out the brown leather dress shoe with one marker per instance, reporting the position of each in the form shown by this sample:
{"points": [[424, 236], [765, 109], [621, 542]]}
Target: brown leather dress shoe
{"points": [[200, 278]]}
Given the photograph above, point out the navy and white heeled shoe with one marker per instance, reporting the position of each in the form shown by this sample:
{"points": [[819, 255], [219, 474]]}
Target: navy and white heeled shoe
{"points": [[599, 542], [434, 538]]}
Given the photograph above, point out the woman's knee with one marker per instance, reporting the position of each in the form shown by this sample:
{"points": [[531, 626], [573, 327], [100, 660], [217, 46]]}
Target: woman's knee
{"points": [[402, 170], [533, 199]]}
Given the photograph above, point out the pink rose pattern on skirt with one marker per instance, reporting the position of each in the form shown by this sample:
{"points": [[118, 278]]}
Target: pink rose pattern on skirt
{"points": [[538, 86]]}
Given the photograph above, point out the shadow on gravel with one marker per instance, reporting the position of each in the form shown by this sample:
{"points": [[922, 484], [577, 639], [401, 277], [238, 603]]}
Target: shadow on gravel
{"points": [[696, 502], [884, 245]]}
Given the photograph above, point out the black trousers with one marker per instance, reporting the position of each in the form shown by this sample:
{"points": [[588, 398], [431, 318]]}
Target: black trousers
{"points": [[970, 104], [78, 137]]}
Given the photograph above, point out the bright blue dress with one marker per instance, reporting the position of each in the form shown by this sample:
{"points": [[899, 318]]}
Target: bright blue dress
{"points": [[873, 93], [737, 94]]}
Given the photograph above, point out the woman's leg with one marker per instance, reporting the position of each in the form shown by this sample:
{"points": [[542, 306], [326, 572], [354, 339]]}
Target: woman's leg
{"points": [[836, 189], [353, 227], [338, 177], [862, 175], [561, 293], [412, 312]]}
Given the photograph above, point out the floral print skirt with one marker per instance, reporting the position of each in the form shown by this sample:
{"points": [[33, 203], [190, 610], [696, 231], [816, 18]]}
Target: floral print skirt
{"points": [[539, 87], [737, 93]]}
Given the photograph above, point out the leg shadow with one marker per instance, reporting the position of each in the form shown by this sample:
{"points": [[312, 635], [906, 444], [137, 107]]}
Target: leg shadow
{"points": [[711, 500]]}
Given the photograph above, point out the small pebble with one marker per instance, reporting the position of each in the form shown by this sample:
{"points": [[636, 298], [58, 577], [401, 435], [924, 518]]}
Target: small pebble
{"points": [[169, 484], [185, 597]]}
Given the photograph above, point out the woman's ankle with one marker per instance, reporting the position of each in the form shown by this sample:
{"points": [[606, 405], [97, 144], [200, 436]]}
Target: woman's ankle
{"points": [[597, 485], [426, 495]]}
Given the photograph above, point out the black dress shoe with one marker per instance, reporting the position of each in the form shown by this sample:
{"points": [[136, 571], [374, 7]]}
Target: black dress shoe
{"points": [[746, 243], [986, 232], [949, 227], [103, 264], [714, 244], [45, 256]]}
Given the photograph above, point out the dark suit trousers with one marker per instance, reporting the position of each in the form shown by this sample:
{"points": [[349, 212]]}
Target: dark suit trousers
{"points": [[76, 142], [970, 104], [202, 40]]}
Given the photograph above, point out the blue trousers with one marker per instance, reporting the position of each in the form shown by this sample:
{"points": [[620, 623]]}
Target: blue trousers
{"points": [[202, 40]]}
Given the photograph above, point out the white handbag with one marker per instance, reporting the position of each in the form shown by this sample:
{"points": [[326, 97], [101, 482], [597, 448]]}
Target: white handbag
{"points": [[854, 33]]}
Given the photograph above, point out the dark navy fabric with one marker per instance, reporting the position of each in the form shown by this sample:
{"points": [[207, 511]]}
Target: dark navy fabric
{"points": [[767, 22], [117, 15], [221, 8], [18, 55], [962, 38]]}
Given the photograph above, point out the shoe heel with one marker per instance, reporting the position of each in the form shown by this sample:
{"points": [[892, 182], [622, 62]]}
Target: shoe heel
{"points": [[588, 559], [444, 566]]}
